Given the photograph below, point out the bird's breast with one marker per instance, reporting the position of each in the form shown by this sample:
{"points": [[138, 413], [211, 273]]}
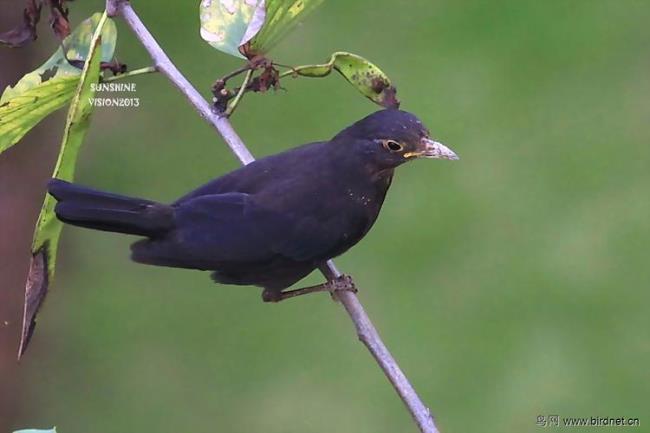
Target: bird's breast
{"points": [[361, 198], [365, 199]]}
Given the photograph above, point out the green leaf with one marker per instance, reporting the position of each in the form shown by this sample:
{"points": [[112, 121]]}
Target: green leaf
{"points": [[77, 45], [367, 78], [48, 227], [245, 28], [21, 113], [52, 85], [281, 17], [224, 23]]}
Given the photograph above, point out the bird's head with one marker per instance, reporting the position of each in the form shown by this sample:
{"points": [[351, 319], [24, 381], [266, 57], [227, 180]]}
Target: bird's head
{"points": [[391, 137]]}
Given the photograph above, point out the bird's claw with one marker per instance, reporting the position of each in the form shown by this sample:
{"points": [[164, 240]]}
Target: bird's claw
{"points": [[344, 283]]}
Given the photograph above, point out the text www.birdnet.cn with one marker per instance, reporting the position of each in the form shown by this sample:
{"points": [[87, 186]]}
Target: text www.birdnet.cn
{"points": [[593, 421]]}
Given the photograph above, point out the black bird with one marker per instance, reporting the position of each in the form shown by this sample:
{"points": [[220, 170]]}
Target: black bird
{"points": [[274, 221]]}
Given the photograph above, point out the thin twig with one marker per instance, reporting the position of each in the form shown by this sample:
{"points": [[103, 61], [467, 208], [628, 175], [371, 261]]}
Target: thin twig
{"points": [[233, 105], [234, 73], [364, 327]]}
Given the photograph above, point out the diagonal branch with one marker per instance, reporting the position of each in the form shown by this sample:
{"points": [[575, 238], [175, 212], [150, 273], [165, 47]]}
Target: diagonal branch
{"points": [[364, 327]]}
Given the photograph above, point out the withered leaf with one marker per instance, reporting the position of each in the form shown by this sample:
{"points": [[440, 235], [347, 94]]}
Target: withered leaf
{"points": [[26, 31], [59, 18], [35, 291]]}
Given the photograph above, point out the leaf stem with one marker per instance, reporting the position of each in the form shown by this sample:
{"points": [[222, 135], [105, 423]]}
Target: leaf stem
{"points": [[129, 74]]}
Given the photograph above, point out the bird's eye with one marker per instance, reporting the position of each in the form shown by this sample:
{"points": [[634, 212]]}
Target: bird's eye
{"points": [[393, 145]]}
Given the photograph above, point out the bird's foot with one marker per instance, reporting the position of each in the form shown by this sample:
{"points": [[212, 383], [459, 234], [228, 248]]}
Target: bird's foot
{"points": [[344, 283]]}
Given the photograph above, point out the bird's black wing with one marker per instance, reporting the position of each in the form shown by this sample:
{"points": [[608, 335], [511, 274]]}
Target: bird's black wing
{"points": [[265, 172], [232, 228], [246, 231]]}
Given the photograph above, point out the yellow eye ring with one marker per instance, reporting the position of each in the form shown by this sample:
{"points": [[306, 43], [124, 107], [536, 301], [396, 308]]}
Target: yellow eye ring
{"points": [[393, 146]]}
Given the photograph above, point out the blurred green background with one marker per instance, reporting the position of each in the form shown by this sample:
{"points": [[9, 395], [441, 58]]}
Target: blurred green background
{"points": [[511, 284]]}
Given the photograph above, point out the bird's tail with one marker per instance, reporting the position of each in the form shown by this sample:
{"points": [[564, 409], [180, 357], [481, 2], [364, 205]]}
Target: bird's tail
{"points": [[86, 207]]}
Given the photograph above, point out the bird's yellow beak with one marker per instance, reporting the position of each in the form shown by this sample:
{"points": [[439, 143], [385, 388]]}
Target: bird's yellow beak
{"points": [[428, 148]]}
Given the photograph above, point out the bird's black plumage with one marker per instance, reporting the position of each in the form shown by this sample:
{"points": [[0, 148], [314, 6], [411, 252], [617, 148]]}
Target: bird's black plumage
{"points": [[272, 222]]}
